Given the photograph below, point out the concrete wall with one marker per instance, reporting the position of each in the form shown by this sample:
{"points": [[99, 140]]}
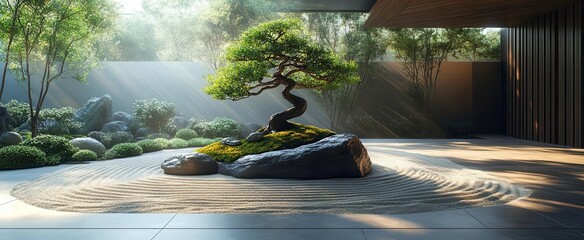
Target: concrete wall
{"points": [[466, 93]]}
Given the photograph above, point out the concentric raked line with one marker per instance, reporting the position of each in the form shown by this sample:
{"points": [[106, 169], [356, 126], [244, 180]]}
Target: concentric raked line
{"points": [[399, 183]]}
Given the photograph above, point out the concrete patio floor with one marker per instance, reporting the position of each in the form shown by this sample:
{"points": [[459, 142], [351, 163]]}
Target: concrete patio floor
{"points": [[555, 210]]}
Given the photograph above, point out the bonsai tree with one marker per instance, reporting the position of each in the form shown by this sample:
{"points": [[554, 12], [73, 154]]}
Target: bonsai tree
{"points": [[278, 53]]}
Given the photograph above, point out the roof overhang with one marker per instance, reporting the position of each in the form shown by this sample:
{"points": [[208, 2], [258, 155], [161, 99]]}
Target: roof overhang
{"points": [[457, 13], [324, 5]]}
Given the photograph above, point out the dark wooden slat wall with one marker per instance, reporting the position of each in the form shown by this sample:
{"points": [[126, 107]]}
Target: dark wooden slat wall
{"points": [[543, 69]]}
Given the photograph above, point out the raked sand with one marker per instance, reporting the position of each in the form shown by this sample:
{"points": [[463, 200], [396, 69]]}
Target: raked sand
{"points": [[399, 183]]}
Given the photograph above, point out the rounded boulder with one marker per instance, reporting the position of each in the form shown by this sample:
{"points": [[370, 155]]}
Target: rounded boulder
{"points": [[89, 144], [10, 138], [190, 164]]}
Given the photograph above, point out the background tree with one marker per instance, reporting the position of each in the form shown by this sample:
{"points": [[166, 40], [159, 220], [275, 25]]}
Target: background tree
{"points": [[423, 50], [357, 43], [274, 54], [55, 40], [223, 22], [9, 14]]}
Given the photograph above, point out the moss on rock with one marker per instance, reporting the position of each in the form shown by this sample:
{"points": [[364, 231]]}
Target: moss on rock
{"points": [[296, 136]]}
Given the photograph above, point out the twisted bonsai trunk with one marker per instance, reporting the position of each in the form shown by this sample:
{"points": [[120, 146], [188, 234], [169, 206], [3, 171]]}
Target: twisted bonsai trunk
{"points": [[279, 121]]}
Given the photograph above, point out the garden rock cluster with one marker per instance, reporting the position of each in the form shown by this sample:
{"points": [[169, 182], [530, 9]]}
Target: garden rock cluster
{"points": [[95, 113], [337, 156], [190, 164], [115, 126]]}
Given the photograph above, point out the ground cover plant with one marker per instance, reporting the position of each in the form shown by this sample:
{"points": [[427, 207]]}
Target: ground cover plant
{"points": [[297, 135]]}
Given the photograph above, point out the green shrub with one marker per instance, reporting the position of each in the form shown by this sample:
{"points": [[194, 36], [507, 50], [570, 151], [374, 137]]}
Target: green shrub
{"points": [[186, 134], [176, 143], [19, 113], [158, 135], [123, 150], [149, 145], [57, 149], [297, 136], [163, 142], [18, 157], [219, 127], [154, 113], [85, 155], [120, 137], [111, 139], [58, 121], [201, 142]]}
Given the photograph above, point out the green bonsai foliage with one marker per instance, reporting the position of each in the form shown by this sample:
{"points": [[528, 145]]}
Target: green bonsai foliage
{"points": [[176, 143], [18, 157], [84, 155], [123, 150], [185, 134], [296, 136], [278, 53], [154, 113], [149, 145], [201, 142], [57, 149]]}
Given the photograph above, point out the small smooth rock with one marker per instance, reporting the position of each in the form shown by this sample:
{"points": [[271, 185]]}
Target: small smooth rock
{"points": [[230, 141], [89, 144], [255, 137], [122, 116], [10, 138], [142, 132], [190, 164]]}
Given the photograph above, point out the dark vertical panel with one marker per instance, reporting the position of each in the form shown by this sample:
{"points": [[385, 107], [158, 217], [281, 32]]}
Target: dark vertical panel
{"points": [[562, 77], [570, 77], [578, 77], [540, 79], [544, 78], [523, 71], [548, 78], [528, 70]]}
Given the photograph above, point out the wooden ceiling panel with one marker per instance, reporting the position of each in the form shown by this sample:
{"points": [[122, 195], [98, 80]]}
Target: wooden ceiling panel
{"points": [[457, 13]]}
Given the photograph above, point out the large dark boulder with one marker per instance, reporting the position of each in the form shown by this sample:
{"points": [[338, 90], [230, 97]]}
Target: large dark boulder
{"points": [[4, 117], [115, 126], [190, 164], [95, 113], [122, 116], [337, 156]]}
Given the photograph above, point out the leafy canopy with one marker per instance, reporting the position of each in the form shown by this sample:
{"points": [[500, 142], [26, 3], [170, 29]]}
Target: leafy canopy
{"points": [[275, 53]]}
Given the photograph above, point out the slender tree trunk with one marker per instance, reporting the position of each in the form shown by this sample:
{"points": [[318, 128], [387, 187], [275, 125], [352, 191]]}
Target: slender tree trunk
{"points": [[8, 46], [279, 121]]}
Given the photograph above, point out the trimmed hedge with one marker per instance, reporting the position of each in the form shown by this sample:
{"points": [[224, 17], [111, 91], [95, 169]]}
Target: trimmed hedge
{"points": [[57, 149], [123, 150], [18, 157], [176, 143], [85, 155], [149, 145], [186, 134]]}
